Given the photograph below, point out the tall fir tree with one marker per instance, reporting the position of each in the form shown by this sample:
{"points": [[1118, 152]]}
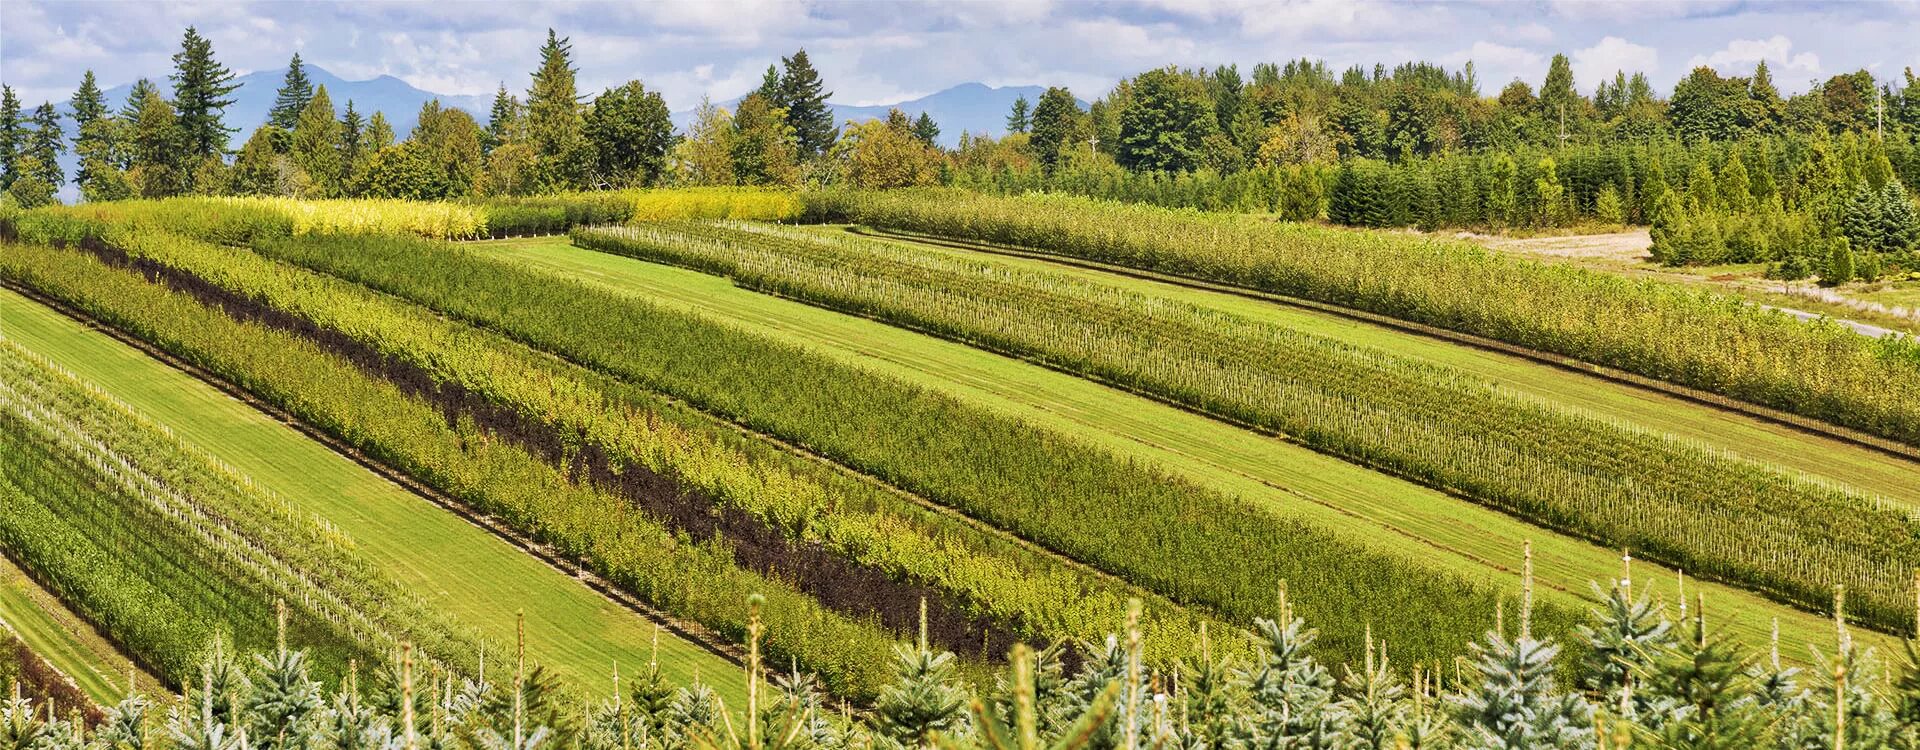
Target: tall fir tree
{"points": [[93, 132], [770, 87], [925, 129], [804, 97], [46, 144], [553, 105], [315, 145], [555, 127], [1020, 117], [292, 99], [157, 148], [201, 87], [12, 136], [504, 121], [353, 130], [379, 132]]}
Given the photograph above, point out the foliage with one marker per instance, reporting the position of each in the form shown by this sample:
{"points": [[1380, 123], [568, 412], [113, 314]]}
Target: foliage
{"points": [[1686, 336], [1413, 419]]}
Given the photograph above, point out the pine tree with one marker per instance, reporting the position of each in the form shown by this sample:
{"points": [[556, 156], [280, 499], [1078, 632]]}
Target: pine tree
{"points": [[13, 137], [925, 129], [156, 147], [46, 144], [1559, 100], [353, 147], [804, 97], [1516, 704], [1736, 190], [285, 703], [505, 122], [379, 133], [292, 99], [1839, 263], [926, 697], [1704, 687], [93, 137], [554, 123], [1290, 692], [1018, 120], [770, 87], [1769, 108], [201, 86], [1622, 636], [315, 145]]}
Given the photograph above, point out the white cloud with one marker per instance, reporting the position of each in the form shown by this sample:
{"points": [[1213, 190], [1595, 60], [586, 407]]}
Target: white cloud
{"points": [[1740, 55], [1531, 32], [1612, 55], [1639, 10]]}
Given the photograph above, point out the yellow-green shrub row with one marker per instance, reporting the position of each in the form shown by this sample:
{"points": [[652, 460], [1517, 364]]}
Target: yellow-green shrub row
{"points": [[178, 543], [1186, 542], [1669, 332], [1709, 514], [995, 578], [698, 582]]}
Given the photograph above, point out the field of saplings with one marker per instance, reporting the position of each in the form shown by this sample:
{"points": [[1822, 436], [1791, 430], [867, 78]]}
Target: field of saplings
{"points": [[720, 429]]}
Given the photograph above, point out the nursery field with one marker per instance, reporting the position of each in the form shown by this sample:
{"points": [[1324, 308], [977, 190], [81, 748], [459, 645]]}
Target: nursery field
{"points": [[1768, 441], [457, 567], [61, 637], [1287, 479]]}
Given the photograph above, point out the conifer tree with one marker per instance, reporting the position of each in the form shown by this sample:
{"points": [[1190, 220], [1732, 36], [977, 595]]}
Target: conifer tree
{"points": [[201, 86], [1623, 634], [45, 145], [315, 145], [13, 136], [1769, 109], [926, 697], [353, 151], [379, 133], [925, 129], [157, 148], [1018, 120], [770, 86], [1290, 692], [505, 121], [1703, 686], [93, 131], [554, 123], [804, 96], [292, 98]]}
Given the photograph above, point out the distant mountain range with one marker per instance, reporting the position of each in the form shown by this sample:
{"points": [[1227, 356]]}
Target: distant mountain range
{"points": [[969, 107]]}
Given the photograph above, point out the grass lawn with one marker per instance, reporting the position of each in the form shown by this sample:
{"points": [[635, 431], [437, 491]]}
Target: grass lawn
{"points": [[456, 566], [67, 642], [1367, 506]]}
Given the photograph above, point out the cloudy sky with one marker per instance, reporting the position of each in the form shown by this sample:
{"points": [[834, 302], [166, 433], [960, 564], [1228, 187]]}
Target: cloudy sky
{"points": [[875, 52]]}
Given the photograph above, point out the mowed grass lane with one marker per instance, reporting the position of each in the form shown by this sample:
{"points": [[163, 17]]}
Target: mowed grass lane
{"points": [[1368, 506], [59, 635], [455, 566], [1768, 442]]}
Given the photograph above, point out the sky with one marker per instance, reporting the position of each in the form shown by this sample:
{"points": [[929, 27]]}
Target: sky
{"points": [[873, 52]]}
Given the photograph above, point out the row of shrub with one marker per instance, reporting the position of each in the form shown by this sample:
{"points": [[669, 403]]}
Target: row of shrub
{"points": [[1699, 510], [696, 581], [802, 500], [1691, 337], [1130, 520], [161, 547]]}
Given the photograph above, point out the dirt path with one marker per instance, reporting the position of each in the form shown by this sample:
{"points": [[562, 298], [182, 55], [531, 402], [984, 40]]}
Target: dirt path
{"points": [[1626, 253]]}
